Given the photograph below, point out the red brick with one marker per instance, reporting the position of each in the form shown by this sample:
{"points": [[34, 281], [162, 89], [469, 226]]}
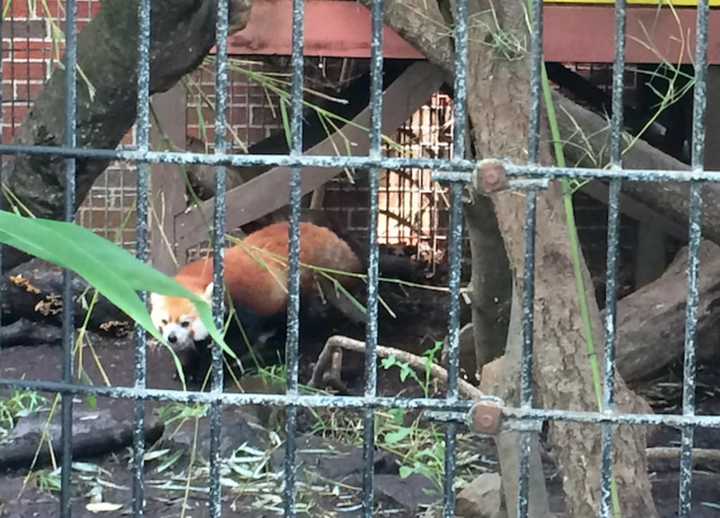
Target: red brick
{"points": [[23, 55], [262, 116], [8, 92], [238, 116], [24, 71], [23, 45], [14, 113], [8, 134]]}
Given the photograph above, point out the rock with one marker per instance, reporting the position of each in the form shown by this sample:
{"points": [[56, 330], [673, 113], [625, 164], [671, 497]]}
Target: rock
{"points": [[482, 498], [411, 493], [94, 433], [333, 460], [337, 462], [237, 429]]}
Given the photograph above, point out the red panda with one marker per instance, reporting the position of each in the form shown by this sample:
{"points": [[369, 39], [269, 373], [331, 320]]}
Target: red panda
{"points": [[256, 279]]}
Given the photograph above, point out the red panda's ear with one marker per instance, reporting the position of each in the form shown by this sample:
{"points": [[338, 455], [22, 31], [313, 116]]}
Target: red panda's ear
{"points": [[208, 293], [155, 299]]}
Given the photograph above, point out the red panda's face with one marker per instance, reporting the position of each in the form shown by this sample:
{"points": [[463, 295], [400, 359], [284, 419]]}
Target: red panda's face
{"points": [[177, 320]]}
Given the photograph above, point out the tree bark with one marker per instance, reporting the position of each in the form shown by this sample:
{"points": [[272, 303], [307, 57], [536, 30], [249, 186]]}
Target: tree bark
{"points": [[33, 290], [498, 103], [491, 281], [501, 378], [651, 321], [588, 143], [182, 34]]}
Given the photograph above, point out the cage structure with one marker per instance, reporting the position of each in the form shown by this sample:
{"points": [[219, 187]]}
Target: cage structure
{"points": [[30, 56], [456, 172]]}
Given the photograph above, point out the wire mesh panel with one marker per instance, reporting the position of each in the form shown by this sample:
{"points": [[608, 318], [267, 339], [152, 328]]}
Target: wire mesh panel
{"points": [[457, 172]]}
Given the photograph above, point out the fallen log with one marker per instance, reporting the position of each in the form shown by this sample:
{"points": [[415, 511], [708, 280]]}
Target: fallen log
{"points": [[33, 290], [94, 433], [25, 332], [651, 320]]}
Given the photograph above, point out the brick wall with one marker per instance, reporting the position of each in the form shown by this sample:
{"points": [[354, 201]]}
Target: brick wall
{"points": [[28, 58]]}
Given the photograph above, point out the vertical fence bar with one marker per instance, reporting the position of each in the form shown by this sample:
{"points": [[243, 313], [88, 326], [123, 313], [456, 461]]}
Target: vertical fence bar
{"points": [[218, 236], [292, 343], [2, 141], [613, 240], [371, 331], [142, 233], [455, 248], [695, 238], [68, 316], [526, 376]]}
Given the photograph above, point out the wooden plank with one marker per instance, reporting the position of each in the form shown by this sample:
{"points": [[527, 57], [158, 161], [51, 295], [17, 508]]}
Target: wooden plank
{"points": [[269, 31], [676, 3], [573, 33], [270, 191], [168, 189], [583, 34]]}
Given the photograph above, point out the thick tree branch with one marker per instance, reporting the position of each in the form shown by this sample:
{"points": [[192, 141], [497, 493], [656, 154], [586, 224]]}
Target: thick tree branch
{"points": [[182, 34], [588, 144]]}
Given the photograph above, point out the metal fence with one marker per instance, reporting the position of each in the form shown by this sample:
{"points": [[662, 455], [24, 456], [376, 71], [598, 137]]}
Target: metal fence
{"points": [[457, 172]]}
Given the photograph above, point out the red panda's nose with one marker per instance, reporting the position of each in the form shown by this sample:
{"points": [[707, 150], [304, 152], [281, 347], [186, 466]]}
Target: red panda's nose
{"points": [[172, 338]]}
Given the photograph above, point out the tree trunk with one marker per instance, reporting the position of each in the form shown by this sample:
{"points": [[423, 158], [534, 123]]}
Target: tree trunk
{"points": [[33, 290], [182, 33], [498, 103], [491, 281]]}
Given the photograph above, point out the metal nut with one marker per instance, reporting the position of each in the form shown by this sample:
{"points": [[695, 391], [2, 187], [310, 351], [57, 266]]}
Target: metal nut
{"points": [[490, 176], [486, 418]]}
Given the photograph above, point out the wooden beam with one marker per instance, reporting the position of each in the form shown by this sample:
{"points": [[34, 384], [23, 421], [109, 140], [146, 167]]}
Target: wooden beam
{"points": [[573, 33], [269, 31], [167, 197], [676, 3], [653, 35], [271, 191]]}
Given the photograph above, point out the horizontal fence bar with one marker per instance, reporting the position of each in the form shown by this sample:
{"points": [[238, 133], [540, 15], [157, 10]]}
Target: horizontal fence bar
{"points": [[510, 415], [455, 170]]}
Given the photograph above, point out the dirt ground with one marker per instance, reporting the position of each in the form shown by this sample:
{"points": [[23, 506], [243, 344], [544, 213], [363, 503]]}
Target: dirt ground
{"points": [[336, 494]]}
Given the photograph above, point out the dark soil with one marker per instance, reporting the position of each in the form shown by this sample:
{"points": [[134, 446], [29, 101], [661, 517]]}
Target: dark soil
{"points": [[417, 327]]}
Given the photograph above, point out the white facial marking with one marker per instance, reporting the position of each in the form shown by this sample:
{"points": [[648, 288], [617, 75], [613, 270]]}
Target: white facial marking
{"points": [[199, 331], [158, 312]]}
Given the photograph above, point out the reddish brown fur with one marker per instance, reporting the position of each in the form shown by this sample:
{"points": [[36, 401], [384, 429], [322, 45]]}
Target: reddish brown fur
{"points": [[257, 280]]}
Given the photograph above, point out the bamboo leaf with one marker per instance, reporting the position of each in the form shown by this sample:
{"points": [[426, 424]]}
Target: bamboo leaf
{"points": [[112, 270]]}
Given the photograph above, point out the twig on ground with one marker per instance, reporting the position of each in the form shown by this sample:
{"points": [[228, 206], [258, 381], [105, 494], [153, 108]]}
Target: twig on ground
{"points": [[327, 370]]}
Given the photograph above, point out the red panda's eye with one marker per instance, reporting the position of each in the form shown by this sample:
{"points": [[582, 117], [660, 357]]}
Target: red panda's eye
{"points": [[185, 324], [163, 322]]}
